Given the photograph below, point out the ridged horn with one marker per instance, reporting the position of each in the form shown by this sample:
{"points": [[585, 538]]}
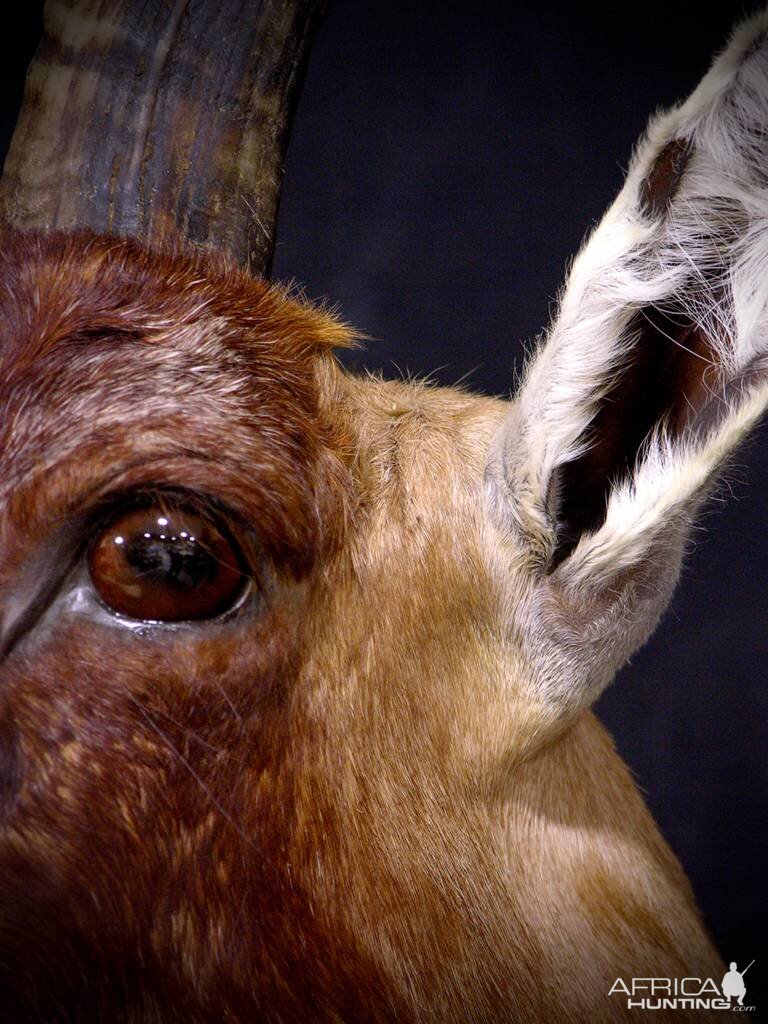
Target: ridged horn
{"points": [[160, 119]]}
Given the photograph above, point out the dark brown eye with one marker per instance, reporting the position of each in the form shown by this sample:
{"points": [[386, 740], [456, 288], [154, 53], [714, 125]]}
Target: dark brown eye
{"points": [[166, 565]]}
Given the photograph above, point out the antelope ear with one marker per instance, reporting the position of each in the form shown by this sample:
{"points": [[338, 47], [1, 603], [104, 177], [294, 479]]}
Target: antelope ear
{"points": [[653, 371]]}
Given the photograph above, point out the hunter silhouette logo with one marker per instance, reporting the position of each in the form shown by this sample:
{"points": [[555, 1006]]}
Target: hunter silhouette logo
{"points": [[685, 993], [733, 983]]}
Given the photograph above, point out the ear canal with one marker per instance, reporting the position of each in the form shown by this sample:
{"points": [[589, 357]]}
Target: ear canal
{"points": [[667, 380]]}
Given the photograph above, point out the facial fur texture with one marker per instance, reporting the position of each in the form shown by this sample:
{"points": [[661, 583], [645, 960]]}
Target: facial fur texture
{"points": [[346, 802]]}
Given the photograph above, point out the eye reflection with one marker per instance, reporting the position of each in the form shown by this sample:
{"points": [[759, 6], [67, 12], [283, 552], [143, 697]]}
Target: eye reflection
{"points": [[166, 566]]}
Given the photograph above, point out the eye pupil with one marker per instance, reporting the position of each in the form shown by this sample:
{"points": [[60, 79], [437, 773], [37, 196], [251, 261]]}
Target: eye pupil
{"points": [[166, 567], [171, 560]]}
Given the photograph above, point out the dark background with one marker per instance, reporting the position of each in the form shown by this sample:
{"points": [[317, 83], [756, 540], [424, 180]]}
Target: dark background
{"points": [[446, 161]]}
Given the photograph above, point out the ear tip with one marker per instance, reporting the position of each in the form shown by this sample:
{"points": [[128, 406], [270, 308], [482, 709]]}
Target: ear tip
{"points": [[749, 34]]}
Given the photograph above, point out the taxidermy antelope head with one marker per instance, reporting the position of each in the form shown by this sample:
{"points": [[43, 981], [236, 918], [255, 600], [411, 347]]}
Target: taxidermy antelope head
{"points": [[297, 667]]}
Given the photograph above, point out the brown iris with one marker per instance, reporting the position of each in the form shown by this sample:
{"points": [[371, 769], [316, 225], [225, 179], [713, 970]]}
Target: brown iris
{"points": [[166, 565]]}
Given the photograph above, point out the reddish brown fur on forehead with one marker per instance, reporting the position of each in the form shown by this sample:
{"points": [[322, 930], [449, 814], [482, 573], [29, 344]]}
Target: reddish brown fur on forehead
{"points": [[171, 368], [74, 285]]}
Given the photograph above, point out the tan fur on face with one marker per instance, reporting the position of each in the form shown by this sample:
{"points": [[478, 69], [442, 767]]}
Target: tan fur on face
{"points": [[533, 870], [337, 806]]}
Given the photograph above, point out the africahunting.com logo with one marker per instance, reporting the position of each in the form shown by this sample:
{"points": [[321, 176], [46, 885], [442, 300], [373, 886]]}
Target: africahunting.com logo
{"points": [[685, 993]]}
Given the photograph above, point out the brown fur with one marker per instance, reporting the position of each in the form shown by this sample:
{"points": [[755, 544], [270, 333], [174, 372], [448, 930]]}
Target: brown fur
{"points": [[331, 807]]}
